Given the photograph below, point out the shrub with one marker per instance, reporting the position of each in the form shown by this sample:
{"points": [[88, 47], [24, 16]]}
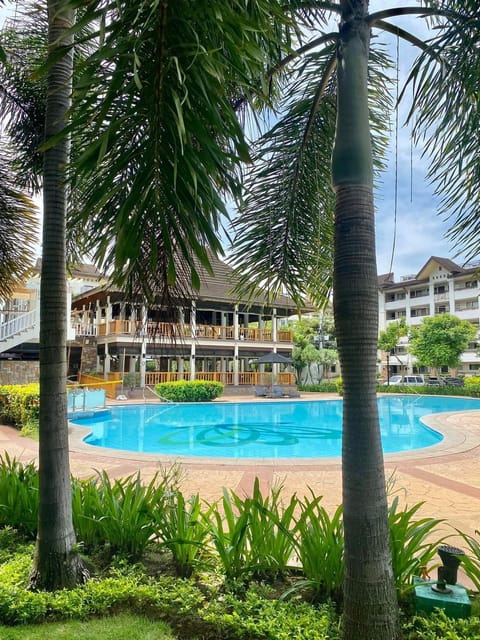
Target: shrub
{"points": [[472, 386], [189, 390], [320, 550], [18, 495], [182, 528], [19, 404], [437, 625], [321, 387], [412, 542]]}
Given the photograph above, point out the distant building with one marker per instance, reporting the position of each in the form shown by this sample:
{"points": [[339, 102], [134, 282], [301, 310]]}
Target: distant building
{"points": [[441, 286]]}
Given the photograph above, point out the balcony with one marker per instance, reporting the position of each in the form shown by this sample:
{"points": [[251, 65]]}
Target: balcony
{"points": [[178, 331]]}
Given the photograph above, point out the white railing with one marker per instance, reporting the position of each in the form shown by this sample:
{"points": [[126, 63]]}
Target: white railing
{"points": [[19, 324]]}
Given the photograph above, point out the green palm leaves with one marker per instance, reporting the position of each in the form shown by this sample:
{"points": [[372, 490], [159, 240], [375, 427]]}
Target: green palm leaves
{"points": [[162, 138]]}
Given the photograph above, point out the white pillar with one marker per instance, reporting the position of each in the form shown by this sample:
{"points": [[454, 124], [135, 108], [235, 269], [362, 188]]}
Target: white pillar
{"points": [[143, 348]]}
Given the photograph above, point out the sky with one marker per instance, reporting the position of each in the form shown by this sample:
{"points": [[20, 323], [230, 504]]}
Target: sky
{"points": [[419, 232]]}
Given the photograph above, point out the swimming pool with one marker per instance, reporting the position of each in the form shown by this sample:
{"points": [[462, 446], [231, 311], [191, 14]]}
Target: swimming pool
{"points": [[287, 429]]}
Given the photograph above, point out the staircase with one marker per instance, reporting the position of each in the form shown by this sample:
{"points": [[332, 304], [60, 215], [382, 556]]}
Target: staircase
{"points": [[23, 328]]}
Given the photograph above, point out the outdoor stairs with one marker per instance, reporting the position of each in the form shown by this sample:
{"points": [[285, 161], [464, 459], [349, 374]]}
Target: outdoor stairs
{"points": [[23, 328]]}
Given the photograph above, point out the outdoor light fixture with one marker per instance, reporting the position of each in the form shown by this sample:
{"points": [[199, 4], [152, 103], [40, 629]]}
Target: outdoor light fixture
{"points": [[447, 574]]}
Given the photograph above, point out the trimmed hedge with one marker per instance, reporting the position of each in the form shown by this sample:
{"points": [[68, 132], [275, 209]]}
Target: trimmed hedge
{"points": [[19, 404], [189, 390]]}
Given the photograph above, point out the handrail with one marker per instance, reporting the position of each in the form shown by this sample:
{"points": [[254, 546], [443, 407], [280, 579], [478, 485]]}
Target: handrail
{"points": [[17, 325]]}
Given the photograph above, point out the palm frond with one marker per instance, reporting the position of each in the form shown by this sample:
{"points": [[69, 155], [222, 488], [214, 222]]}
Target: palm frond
{"points": [[18, 229], [162, 138], [284, 232], [447, 121]]}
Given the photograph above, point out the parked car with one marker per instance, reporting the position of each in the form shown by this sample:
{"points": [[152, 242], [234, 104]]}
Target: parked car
{"points": [[433, 381], [410, 381], [453, 382]]}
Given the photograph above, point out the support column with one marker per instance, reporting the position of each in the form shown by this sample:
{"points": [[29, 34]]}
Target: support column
{"points": [[143, 348], [106, 363], [235, 365]]}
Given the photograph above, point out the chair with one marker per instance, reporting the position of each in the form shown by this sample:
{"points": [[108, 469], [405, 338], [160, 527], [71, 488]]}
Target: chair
{"points": [[260, 392], [276, 392]]}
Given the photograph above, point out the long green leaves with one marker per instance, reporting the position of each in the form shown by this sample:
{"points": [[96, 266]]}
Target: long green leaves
{"points": [[162, 137], [412, 542], [18, 495], [254, 537]]}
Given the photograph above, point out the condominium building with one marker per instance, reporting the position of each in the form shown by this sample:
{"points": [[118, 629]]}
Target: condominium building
{"points": [[441, 286]]}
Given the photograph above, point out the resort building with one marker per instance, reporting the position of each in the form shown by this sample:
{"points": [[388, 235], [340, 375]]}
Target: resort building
{"points": [[441, 286], [214, 336]]}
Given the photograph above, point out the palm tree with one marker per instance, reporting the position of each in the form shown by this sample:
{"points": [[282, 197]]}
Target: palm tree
{"points": [[313, 179], [164, 91], [57, 564], [18, 229], [157, 136]]}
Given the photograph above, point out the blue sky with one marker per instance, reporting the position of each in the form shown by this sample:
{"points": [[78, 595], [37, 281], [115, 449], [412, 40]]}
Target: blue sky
{"points": [[419, 232]]}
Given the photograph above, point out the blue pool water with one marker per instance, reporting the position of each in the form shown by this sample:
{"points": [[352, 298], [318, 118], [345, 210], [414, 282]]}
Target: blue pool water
{"points": [[307, 429]]}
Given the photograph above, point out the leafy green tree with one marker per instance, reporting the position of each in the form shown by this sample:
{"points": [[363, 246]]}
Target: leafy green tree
{"points": [[439, 341], [389, 337], [331, 133]]}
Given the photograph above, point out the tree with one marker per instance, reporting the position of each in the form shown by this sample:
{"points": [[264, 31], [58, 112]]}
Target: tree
{"points": [[388, 340], [18, 230], [57, 563], [332, 131], [158, 139], [439, 341]]}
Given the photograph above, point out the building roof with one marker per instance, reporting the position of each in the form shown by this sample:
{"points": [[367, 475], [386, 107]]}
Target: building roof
{"points": [[451, 268], [215, 288]]}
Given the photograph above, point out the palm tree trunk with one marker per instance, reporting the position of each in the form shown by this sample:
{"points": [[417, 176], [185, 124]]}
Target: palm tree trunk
{"points": [[370, 607], [56, 564]]}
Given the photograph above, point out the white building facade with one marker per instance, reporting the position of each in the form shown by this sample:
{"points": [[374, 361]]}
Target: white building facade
{"points": [[441, 286]]}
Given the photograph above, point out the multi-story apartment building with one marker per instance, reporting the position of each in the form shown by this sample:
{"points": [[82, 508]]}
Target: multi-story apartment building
{"points": [[441, 286]]}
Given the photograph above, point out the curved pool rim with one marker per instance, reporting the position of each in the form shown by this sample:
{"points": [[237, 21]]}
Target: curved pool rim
{"points": [[456, 440]]}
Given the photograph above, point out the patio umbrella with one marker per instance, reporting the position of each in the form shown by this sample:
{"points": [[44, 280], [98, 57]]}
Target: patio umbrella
{"points": [[274, 358]]}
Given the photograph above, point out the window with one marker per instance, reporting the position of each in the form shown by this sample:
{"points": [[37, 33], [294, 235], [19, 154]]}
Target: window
{"points": [[418, 293], [440, 288]]}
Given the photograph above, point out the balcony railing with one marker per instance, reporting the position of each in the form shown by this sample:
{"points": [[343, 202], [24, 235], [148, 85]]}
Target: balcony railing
{"points": [[245, 378], [176, 331]]}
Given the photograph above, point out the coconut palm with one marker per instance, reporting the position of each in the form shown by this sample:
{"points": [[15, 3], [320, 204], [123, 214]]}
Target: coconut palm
{"points": [[313, 181], [158, 138]]}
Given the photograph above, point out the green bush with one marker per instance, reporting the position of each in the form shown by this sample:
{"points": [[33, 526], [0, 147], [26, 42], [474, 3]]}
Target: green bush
{"points": [[438, 626], [19, 404], [18, 495], [321, 387], [189, 390]]}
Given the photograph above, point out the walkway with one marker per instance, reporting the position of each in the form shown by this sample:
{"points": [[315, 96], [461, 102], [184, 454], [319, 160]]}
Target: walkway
{"points": [[445, 476]]}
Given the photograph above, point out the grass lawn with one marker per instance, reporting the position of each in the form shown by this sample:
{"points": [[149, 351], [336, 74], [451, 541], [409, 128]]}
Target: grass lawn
{"points": [[121, 627]]}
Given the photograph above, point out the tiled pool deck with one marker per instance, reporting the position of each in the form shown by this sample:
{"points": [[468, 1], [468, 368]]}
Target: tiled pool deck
{"points": [[445, 476]]}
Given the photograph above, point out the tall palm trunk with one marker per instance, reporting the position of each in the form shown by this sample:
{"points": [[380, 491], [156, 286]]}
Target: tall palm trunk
{"points": [[56, 564], [370, 611]]}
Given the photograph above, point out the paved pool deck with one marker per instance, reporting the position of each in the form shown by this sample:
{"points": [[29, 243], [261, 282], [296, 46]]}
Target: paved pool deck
{"points": [[446, 476]]}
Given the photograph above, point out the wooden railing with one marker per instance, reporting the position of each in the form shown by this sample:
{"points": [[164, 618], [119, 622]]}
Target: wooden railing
{"points": [[245, 378], [177, 331]]}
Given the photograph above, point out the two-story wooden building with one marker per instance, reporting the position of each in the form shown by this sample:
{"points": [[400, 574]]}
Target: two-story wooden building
{"points": [[214, 336]]}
